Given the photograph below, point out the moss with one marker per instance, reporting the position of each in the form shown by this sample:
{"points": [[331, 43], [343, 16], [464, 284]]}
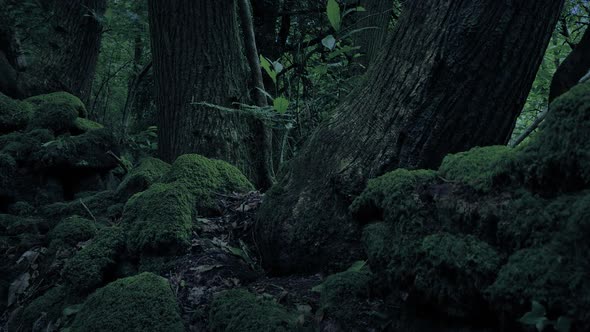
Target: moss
{"points": [[452, 272], [149, 171], [50, 304], [89, 267], [58, 118], [98, 203], [62, 98], [159, 220], [240, 310], [204, 178], [14, 114], [341, 295], [558, 158], [393, 196], [21, 146], [72, 231], [135, 304], [482, 168], [82, 125], [84, 152], [8, 169]]}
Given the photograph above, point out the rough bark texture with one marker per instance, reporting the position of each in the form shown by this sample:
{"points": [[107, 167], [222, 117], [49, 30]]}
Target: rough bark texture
{"points": [[453, 75], [572, 69], [12, 59], [375, 20], [197, 58], [74, 46]]}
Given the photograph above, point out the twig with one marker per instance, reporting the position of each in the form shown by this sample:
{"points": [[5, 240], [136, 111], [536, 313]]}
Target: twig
{"points": [[88, 210], [530, 129], [119, 161]]}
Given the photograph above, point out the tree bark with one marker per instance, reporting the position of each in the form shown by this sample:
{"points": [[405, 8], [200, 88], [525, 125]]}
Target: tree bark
{"points": [[453, 75], [375, 20], [572, 69], [74, 47], [198, 60]]}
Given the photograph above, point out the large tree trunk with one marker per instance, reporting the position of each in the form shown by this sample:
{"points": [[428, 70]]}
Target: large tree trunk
{"points": [[572, 69], [453, 75], [198, 59], [74, 46]]}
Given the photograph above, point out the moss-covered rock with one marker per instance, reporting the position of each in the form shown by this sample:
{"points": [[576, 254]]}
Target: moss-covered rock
{"points": [[21, 146], [393, 197], [8, 169], [558, 158], [149, 171], [50, 305], [205, 178], [159, 220], [84, 152], [89, 268], [240, 310], [98, 203], [481, 168], [14, 114], [62, 98], [453, 271], [72, 231], [135, 304], [342, 294], [82, 125], [58, 118]]}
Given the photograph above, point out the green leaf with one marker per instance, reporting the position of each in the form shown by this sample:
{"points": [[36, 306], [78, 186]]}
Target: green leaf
{"points": [[268, 68], [281, 104], [536, 315], [333, 11], [329, 42], [318, 288], [563, 324], [357, 266], [72, 310]]}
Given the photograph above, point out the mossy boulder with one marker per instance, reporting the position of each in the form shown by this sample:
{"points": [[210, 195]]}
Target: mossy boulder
{"points": [[482, 168], [50, 306], [558, 158], [14, 114], [8, 169], [144, 302], [62, 98], [159, 220], [21, 146], [98, 203], [240, 310], [71, 231], [83, 152], [90, 267], [205, 178], [82, 125], [149, 171], [58, 118], [453, 271], [342, 294]]}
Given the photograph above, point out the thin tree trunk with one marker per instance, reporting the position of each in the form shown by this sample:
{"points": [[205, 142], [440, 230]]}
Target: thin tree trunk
{"points": [[453, 75], [71, 63], [197, 60], [575, 65]]}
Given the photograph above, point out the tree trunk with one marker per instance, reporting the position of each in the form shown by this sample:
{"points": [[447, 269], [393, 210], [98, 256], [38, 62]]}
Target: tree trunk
{"points": [[198, 60], [74, 47], [452, 75], [375, 22], [572, 69]]}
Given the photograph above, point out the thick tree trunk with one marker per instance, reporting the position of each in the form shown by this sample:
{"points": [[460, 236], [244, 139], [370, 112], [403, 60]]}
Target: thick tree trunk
{"points": [[12, 59], [453, 75], [74, 46], [572, 69], [375, 22], [198, 59]]}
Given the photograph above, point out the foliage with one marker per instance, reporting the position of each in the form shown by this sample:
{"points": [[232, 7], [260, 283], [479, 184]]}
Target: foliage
{"points": [[135, 304]]}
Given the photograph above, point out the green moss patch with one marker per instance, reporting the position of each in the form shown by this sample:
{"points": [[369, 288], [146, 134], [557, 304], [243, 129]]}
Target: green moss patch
{"points": [[62, 98], [135, 304], [159, 220], [72, 231], [21, 146], [14, 114], [58, 118], [342, 294], [50, 305], [481, 168], [240, 310], [149, 171], [205, 178], [88, 268], [82, 125]]}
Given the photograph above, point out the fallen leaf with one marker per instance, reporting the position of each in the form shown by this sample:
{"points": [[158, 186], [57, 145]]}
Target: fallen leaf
{"points": [[18, 287]]}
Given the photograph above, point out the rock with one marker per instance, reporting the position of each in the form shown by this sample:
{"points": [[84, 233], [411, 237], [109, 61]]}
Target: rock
{"points": [[14, 114], [71, 231], [135, 304], [58, 118], [60, 98], [149, 171]]}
